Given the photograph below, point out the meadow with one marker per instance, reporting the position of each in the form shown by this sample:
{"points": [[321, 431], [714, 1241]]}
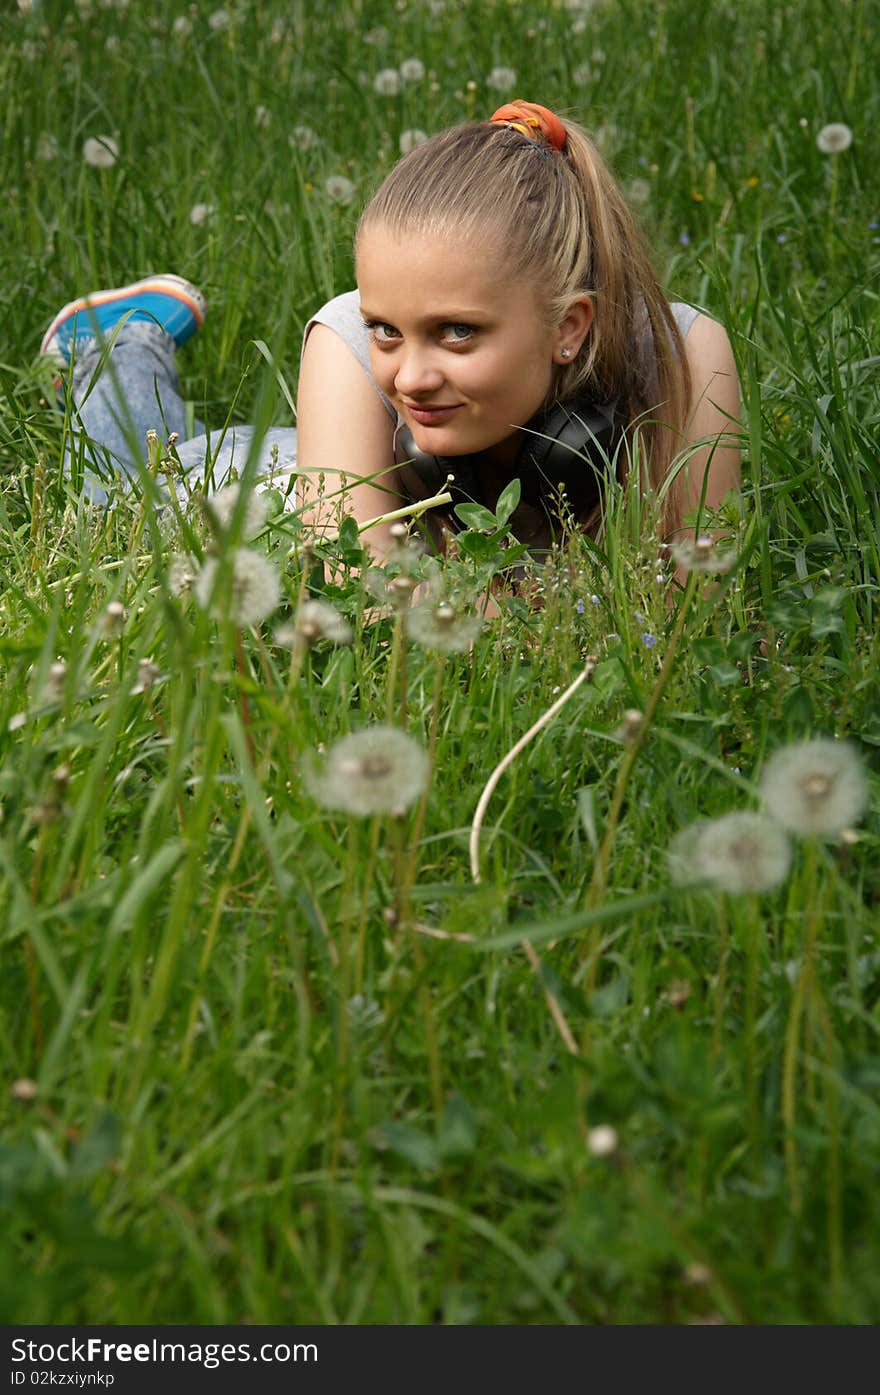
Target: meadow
{"points": [[271, 1055]]}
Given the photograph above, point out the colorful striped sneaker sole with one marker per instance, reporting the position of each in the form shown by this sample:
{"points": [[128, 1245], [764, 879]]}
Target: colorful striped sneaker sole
{"points": [[175, 305]]}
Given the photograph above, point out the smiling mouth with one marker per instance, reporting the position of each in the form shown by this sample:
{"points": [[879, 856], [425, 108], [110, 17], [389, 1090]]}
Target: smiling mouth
{"points": [[430, 415]]}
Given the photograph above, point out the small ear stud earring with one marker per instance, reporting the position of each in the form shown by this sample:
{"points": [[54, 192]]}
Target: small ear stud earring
{"points": [[564, 353]]}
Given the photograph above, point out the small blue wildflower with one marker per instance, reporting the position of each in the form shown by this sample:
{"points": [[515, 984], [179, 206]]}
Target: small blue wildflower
{"points": [[684, 240], [649, 641], [594, 600], [874, 225], [580, 607], [781, 237], [639, 616]]}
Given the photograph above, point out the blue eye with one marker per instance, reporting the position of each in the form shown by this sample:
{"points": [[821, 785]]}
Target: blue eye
{"points": [[382, 333], [458, 333]]}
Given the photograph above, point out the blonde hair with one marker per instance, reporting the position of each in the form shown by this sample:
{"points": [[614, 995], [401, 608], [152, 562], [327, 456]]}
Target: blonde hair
{"points": [[561, 223]]}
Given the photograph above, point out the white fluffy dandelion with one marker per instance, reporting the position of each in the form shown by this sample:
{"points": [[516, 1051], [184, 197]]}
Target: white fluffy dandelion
{"points": [[101, 152], [254, 593], [302, 138], [639, 191], [501, 79], [815, 787], [738, 852], [219, 20], [438, 625], [55, 682], [703, 556], [183, 573], [387, 82], [410, 139], [339, 189], [201, 213], [148, 673], [380, 770], [221, 506], [412, 70], [47, 147], [602, 1141], [834, 138], [316, 620]]}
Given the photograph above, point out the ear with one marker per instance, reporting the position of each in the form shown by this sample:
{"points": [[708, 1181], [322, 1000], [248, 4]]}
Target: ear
{"points": [[573, 329]]}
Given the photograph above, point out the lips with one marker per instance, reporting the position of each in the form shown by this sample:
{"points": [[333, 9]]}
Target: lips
{"points": [[430, 416]]}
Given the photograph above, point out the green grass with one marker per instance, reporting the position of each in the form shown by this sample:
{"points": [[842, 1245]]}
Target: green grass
{"points": [[258, 1093]]}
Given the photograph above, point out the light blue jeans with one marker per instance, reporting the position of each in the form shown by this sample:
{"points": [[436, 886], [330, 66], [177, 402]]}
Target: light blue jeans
{"points": [[136, 388]]}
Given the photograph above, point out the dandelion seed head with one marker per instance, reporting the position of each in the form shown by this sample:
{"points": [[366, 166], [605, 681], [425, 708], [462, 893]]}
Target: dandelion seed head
{"points": [[602, 1141], [410, 139], [55, 681], [703, 556], [440, 626], [201, 213], [47, 147], [255, 590], [24, 1090], [339, 189], [101, 152], [631, 726], [739, 852], [148, 673], [221, 506], [815, 787], [113, 619], [318, 620], [501, 79], [834, 138], [387, 82], [218, 21], [182, 574], [412, 70], [380, 770], [302, 138]]}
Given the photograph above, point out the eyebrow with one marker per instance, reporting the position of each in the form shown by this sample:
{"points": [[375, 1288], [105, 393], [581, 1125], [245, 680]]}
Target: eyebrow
{"points": [[453, 316]]}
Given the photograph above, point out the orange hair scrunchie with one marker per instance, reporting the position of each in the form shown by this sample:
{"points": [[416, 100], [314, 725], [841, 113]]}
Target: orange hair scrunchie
{"points": [[532, 121]]}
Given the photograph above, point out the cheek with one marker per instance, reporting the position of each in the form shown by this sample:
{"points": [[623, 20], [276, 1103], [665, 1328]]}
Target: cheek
{"points": [[379, 369]]}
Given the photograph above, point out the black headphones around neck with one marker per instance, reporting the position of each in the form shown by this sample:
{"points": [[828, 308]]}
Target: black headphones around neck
{"points": [[571, 445]]}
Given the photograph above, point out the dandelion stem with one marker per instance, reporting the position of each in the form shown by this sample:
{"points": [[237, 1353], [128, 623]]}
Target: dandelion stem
{"points": [[720, 979], [552, 1002], [599, 878], [750, 1027], [409, 511], [520, 745]]}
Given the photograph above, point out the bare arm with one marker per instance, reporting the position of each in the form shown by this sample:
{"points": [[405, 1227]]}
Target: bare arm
{"points": [[343, 429], [715, 416]]}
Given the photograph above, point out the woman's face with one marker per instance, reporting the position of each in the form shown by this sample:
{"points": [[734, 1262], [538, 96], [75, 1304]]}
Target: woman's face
{"points": [[462, 351]]}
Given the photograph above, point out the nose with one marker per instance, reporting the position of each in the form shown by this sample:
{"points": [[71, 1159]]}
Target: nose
{"points": [[418, 372]]}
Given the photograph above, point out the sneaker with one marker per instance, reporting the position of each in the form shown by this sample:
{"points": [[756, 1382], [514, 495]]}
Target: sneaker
{"points": [[175, 305]]}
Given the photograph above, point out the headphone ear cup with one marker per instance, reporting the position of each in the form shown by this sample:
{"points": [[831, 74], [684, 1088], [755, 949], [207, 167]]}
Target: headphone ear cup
{"points": [[423, 475], [572, 446]]}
